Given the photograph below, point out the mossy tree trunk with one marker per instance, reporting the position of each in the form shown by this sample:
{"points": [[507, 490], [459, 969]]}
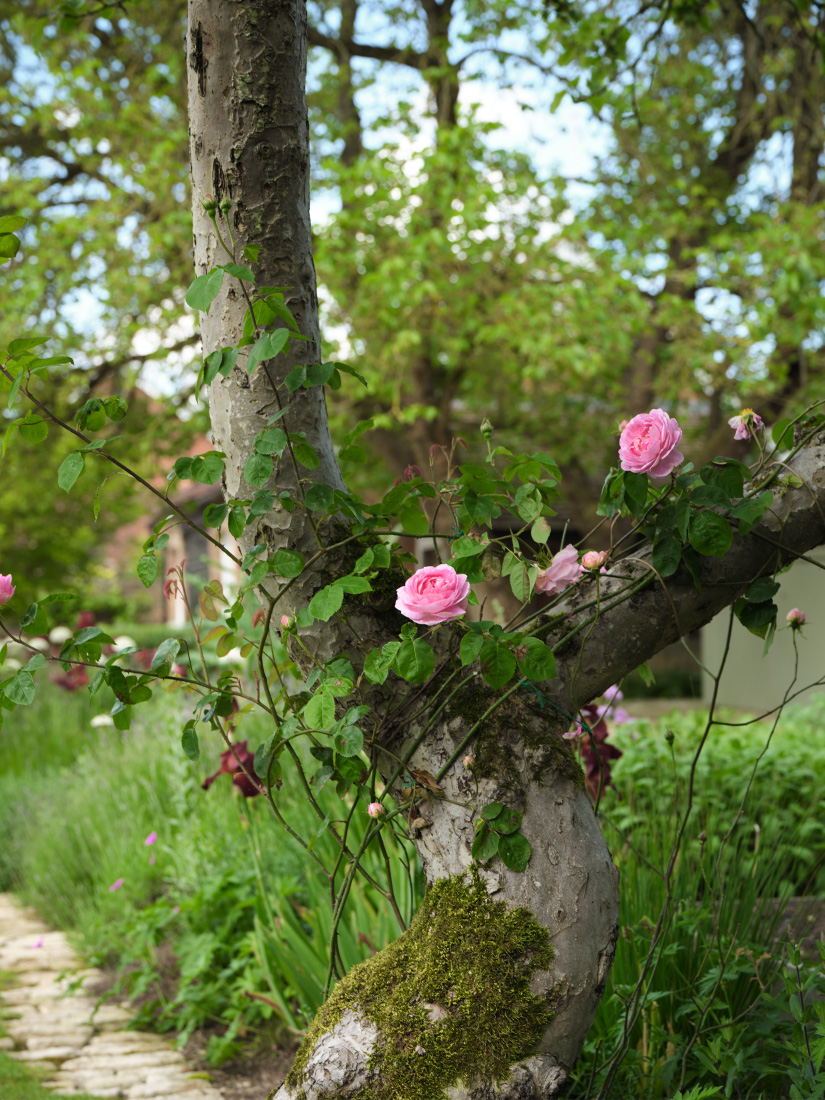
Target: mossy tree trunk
{"points": [[499, 976]]}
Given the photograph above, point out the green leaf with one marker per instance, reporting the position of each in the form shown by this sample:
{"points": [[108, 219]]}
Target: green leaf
{"points": [[70, 470], [306, 455], [763, 589], [319, 497], [491, 811], [349, 741], [258, 470], [122, 718], [115, 407], [319, 713], [165, 656], [757, 616], [497, 663], [364, 562], [471, 646], [272, 441], [237, 521], [749, 512], [9, 223], [215, 514], [515, 851], [267, 347], [378, 661], [189, 741], [485, 844], [354, 585], [204, 290], [296, 378], [782, 434], [239, 272], [33, 428], [325, 603], [206, 468], [147, 569], [287, 563], [319, 374], [667, 553], [508, 821], [412, 519], [21, 689], [25, 343], [538, 663], [415, 661], [91, 416], [34, 621], [9, 244], [710, 534]]}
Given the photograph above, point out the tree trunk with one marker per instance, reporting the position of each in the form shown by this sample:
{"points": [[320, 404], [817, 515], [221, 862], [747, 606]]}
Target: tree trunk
{"points": [[499, 976]]}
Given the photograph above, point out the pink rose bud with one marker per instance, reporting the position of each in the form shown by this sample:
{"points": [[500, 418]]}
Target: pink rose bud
{"points": [[375, 809], [288, 622], [6, 589], [434, 594], [649, 444], [594, 559], [796, 618], [623, 425], [469, 761], [563, 571], [747, 424]]}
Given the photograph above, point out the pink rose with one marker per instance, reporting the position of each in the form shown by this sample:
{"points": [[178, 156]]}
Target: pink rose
{"points": [[796, 618], [375, 809], [747, 424], [563, 571], [434, 595], [594, 559], [6, 589], [288, 622], [648, 445]]}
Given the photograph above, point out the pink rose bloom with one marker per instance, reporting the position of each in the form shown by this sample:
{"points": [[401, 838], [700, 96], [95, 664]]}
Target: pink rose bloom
{"points": [[594, 559], [434, 594], [648, 445], [747, 424], [796, 618], [563, 571], [6, 589], [375, 809]]}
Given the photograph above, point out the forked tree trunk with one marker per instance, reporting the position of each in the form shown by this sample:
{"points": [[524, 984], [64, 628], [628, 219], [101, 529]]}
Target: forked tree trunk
{"points": [[500, 975]]}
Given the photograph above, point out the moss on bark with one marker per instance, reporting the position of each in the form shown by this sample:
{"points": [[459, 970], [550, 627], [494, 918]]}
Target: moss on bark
{"points": [[451, 997]]}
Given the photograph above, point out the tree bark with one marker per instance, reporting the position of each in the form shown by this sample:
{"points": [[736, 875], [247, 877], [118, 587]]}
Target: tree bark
{"points": [[249, 143]]}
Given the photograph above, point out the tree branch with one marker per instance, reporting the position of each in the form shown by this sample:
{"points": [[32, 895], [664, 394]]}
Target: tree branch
{"points": [[631, 631]]}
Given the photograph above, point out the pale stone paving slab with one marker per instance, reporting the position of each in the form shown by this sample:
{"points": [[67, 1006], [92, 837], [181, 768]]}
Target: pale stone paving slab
{"points": [[53, 1023]]}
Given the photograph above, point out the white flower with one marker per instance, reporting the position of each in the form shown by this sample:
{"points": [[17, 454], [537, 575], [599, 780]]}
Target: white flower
{"points": [[59, 634]]}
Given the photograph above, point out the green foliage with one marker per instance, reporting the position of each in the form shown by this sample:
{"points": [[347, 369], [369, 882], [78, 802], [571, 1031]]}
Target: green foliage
{"points": [[710, 1004], [77, 805]]}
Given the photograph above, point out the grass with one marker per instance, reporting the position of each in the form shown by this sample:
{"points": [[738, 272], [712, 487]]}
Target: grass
{"points": [[19, 1083]]}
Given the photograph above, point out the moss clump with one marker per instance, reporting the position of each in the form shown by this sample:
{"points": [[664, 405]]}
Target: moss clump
{"points": [[471, 956], [500, 742]]}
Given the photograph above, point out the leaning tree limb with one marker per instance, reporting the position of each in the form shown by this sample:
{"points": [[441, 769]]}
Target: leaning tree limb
{"points": [[493, 988]]}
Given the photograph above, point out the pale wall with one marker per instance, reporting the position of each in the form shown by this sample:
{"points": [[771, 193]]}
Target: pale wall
{"points": [[758, 683]]}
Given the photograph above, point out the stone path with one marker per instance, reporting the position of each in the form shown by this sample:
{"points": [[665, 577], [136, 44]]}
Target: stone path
{"points": [[53, 1023]]}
